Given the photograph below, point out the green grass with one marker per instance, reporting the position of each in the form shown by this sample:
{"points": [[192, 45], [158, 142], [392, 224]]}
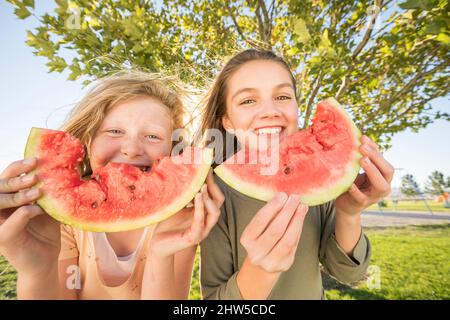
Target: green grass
{"points": [[412, 205], [414, 263], [7, 280]]}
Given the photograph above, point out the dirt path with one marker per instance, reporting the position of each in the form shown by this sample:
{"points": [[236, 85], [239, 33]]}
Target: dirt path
{"points": [[391, 218]]}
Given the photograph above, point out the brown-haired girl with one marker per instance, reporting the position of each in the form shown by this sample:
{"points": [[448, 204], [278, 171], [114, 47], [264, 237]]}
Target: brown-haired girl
{"points": [[274, 250]]}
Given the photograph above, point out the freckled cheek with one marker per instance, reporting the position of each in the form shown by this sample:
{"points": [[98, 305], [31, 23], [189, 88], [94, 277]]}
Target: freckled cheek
{"points": [[102, 152], [157, 151]]}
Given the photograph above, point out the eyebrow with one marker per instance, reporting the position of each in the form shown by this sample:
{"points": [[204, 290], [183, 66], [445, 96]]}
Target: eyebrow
{"points": [[278, 86]]}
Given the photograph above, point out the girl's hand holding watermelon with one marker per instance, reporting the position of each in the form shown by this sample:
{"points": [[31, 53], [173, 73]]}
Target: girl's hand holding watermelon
{"points": [[191, 225], [29, 238], [180, 234], [369, 187], [271, 239]]}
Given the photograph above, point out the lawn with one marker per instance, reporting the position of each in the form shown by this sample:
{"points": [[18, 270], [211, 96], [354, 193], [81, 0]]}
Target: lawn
{"points": [[7, 280], [412, 205], [413, 263]]}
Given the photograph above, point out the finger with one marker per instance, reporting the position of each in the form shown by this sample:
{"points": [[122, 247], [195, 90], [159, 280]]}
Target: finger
{"points": [[212, 212], [358, 196], [195, 231], [386, 169], [300, 214], [19, 167], [264, 216], [378, 182], [277, 227], [11, 200], [10, 185], [366, 140], [214, 190], [18, 221], [289, 242]]}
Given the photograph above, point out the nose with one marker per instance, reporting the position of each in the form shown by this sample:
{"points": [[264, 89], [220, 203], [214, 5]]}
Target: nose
{"points": [[269, 110], [132, 147]]}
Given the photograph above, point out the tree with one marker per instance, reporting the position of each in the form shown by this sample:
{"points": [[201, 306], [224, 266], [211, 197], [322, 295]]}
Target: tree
{"points": [[384, 61], [409, 186], [436, 183]]}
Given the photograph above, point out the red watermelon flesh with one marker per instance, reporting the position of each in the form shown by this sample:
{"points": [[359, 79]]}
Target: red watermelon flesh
{"points": [[319, 163], [119, 196]]}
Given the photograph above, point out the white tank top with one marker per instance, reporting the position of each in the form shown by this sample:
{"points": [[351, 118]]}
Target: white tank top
{"points": [[111, 267]]}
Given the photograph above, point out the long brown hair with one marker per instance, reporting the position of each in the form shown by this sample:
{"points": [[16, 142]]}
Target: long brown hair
{"points": [[214, 104]]}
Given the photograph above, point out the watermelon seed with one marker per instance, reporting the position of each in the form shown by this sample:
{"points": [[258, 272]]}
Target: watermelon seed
{"points": [[132, 188], [94, 205], [287, 170]]}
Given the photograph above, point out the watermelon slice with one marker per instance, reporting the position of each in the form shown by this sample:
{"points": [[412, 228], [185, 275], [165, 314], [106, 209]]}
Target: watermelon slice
{"points": [[319, 163], [119, 196]]}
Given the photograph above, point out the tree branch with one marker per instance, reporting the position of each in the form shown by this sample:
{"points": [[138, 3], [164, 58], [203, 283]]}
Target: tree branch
{"points": [[415, 79], [400, 115], [366, 37], [318, 82], [239, 30], [406, 88], [263, 23]]}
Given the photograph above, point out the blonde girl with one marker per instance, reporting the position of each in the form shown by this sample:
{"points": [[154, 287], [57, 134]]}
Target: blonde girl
{"points": [[126, 118]]}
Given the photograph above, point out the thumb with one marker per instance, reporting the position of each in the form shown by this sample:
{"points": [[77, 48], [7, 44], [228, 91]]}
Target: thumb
{"points": [[18, 221]]}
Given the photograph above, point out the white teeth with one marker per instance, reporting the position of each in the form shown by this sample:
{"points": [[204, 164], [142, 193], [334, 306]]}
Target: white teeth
{"points": [[272, 130]]}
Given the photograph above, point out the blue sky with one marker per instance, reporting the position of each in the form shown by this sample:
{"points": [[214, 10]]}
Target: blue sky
{"points": [[30, 96]]}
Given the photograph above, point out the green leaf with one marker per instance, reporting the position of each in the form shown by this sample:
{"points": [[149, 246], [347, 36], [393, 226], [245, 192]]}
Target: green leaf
{"points": [[443, 37], [411, 4], [292, 51], [419, 4], [29, 3], [62, 7], [76, 71], [22, 12], [325, 47], [435, 27], [57, 64], [301, 31]]}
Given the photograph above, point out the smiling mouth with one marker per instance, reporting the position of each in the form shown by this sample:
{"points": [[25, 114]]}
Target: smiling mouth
{"points": [[268, 130]]}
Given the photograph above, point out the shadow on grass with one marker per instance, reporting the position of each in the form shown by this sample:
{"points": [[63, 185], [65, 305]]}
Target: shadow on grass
{"points": [[330, 283]]}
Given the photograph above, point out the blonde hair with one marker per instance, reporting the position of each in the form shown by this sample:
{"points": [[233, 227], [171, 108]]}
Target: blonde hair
{"points": [[87, 116]]}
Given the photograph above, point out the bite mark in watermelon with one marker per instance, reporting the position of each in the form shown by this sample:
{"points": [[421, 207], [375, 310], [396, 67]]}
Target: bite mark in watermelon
{"points": [[319, 163], [119, 196]]}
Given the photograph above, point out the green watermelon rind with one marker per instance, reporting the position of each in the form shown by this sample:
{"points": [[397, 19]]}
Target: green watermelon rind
{"points": [[316, 196], [53, 207]]}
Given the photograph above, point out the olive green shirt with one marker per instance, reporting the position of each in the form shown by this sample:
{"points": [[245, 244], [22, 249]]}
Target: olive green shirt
{"points": [[222, 254]]}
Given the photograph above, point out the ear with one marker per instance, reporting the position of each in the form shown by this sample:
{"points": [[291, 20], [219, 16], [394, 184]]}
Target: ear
{"points": [[227, 125]]}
